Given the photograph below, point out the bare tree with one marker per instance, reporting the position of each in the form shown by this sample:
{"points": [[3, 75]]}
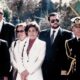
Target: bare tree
{"points": [[19, 7]]}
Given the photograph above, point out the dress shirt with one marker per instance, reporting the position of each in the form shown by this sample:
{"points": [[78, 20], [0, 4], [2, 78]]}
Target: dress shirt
{"points": [[1, 23], [55, 34]]}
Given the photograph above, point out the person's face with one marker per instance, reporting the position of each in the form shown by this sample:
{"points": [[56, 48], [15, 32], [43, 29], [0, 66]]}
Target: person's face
{"points": [[21, 33], [76, 31], [32, 33], [1, 14], [54, 22]]}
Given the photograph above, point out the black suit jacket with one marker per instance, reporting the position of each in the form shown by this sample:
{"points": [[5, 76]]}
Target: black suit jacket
{"points": [[55, 59], [7, 32], [74, 47], [4, 59]]}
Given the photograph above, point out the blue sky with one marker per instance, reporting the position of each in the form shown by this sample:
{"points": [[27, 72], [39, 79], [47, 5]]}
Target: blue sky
{"points": [[63, 1]]}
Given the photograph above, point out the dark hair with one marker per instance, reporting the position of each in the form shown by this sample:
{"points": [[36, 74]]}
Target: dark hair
{"points": [[52, 14], [32, 24]]}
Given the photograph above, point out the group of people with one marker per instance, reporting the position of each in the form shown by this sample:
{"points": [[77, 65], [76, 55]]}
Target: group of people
{"points": [[39, 55], [29, 52]]}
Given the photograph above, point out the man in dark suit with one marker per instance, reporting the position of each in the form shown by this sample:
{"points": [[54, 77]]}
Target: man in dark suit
{"points": [[55, 59], [6, 29], [73, 50], [4, 60]]}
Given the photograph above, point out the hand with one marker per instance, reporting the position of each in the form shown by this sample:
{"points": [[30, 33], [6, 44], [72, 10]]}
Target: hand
{"points": [[5, 78], [24, 74], [63, 72]]}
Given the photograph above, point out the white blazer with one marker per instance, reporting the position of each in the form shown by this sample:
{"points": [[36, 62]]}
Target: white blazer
{"points": [[33, 62], [15, 53]]}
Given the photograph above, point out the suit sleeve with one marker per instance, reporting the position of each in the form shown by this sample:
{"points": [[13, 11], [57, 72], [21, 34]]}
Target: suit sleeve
{"points": [[6, 59], [12, 56]]}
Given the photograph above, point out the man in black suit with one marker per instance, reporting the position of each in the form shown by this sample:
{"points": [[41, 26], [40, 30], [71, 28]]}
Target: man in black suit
{"points": [[73, 50], [4, 60], [55, 59], [6, 29]]}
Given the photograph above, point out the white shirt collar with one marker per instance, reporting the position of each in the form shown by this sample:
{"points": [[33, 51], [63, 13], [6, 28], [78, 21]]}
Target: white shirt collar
{"points": [[56, 31], [22, 41], [1, 23], [77, 38]]}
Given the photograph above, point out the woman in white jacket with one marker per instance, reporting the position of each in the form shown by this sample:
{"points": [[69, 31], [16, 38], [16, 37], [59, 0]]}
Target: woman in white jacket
{"points": [[33, 55], [17, 48]]}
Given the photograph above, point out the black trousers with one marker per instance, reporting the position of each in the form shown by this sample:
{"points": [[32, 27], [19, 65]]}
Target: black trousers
{"points": [[13, 74], [1, 78]]}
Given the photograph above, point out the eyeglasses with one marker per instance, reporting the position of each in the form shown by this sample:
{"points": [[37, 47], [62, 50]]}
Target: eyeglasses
{"points": [[53, 20], [20, 31], [1, 13]]}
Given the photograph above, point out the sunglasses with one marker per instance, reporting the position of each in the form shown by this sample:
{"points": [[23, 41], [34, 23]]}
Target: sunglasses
{"points": [[52, 21], [20, 31]]}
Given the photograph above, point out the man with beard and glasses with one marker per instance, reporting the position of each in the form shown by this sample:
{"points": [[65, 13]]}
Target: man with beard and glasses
{"points": [[55, 59]]}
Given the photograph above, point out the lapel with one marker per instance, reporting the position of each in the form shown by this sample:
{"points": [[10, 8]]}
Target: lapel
{"points": [[48, 40], [75, 43], [48, 35], [34, 48], [33, 53], [74, 47], [3, 30], [3, 27]]}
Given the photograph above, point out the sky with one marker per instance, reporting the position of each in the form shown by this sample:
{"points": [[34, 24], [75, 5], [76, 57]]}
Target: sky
{"points": [[63, 1]]}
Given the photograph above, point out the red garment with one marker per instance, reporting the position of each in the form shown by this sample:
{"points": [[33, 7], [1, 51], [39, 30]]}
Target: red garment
{"points": [[31, 41]]}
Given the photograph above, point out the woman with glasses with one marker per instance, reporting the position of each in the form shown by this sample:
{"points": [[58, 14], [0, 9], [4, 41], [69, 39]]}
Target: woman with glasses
{"points": [[17, 48], [33, 54]]}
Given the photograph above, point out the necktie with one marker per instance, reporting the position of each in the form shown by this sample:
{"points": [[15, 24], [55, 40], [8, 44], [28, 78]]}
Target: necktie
{"points": [[52, 37]]}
